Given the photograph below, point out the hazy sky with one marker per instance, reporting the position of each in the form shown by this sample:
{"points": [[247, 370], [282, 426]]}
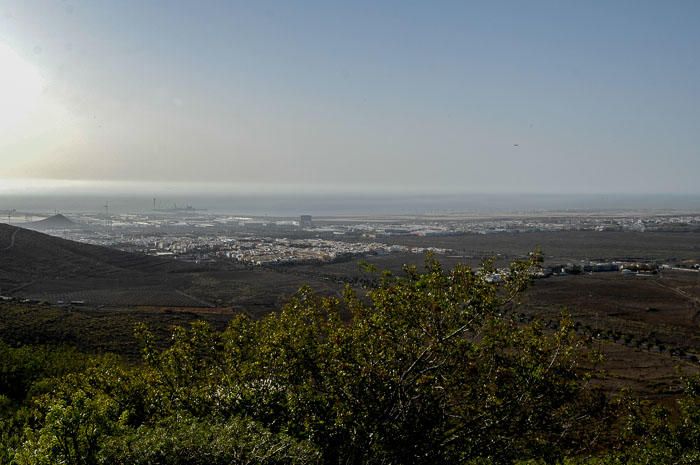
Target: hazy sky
{"points": [[531, 96]]}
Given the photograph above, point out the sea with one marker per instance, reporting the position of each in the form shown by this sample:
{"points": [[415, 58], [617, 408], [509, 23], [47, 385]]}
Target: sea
{"points": [[275, 202]]}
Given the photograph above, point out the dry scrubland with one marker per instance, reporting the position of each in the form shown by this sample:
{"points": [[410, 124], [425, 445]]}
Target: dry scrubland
{"points": [[646, 326]]}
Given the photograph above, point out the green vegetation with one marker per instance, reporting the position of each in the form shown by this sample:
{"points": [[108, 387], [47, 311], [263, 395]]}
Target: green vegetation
{"points": [[426, 368]]}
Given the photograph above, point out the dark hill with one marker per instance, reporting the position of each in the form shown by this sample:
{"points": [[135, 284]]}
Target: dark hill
{"points": [[53, 222], [36, 265]]}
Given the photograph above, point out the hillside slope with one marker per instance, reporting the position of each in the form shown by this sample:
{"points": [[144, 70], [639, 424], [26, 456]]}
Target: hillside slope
{"points": [[57, 221], [36, 265]]}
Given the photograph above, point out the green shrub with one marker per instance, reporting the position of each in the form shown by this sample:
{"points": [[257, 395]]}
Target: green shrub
{"points": [[429, 369]]}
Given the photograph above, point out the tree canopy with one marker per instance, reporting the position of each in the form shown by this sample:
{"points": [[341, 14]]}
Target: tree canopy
{"points": [[425, 368]]}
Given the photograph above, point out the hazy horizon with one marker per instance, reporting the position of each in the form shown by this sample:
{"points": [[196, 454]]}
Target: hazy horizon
{"points": [[496, 97], [354, 203]]}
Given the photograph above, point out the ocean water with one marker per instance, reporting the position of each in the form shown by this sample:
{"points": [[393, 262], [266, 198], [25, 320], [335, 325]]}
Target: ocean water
{"points": [[294, 203]]}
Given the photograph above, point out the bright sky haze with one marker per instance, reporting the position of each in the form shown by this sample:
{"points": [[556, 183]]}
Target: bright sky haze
{"points": [[492, 96]]}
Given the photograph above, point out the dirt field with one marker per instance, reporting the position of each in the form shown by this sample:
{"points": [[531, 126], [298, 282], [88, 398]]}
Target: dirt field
{"points": [[649, 311], [566, 245]]}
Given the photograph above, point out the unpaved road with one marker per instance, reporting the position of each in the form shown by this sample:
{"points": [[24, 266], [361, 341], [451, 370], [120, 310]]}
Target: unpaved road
{"points": [[12, 239]]}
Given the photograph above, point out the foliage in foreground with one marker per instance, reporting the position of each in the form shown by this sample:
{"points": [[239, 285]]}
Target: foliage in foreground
{"points": [[426, 368]]}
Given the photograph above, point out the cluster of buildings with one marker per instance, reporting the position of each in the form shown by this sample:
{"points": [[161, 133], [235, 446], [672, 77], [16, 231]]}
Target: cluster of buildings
{"points": [[195, 235], [599, 267], [423, 227], [626, 268], [623, 267], [260, 250], [579, 223], [267, 251]]}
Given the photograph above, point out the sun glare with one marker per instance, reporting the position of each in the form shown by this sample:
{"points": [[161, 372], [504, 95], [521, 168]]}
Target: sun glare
{"points": [[20, 88]]}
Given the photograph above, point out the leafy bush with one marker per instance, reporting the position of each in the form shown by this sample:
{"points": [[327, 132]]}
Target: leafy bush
{"points": [[21, 367], [429, 368]]}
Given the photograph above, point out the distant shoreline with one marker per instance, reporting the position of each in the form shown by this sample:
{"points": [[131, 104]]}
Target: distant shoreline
{"points": [[263, 203]]}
